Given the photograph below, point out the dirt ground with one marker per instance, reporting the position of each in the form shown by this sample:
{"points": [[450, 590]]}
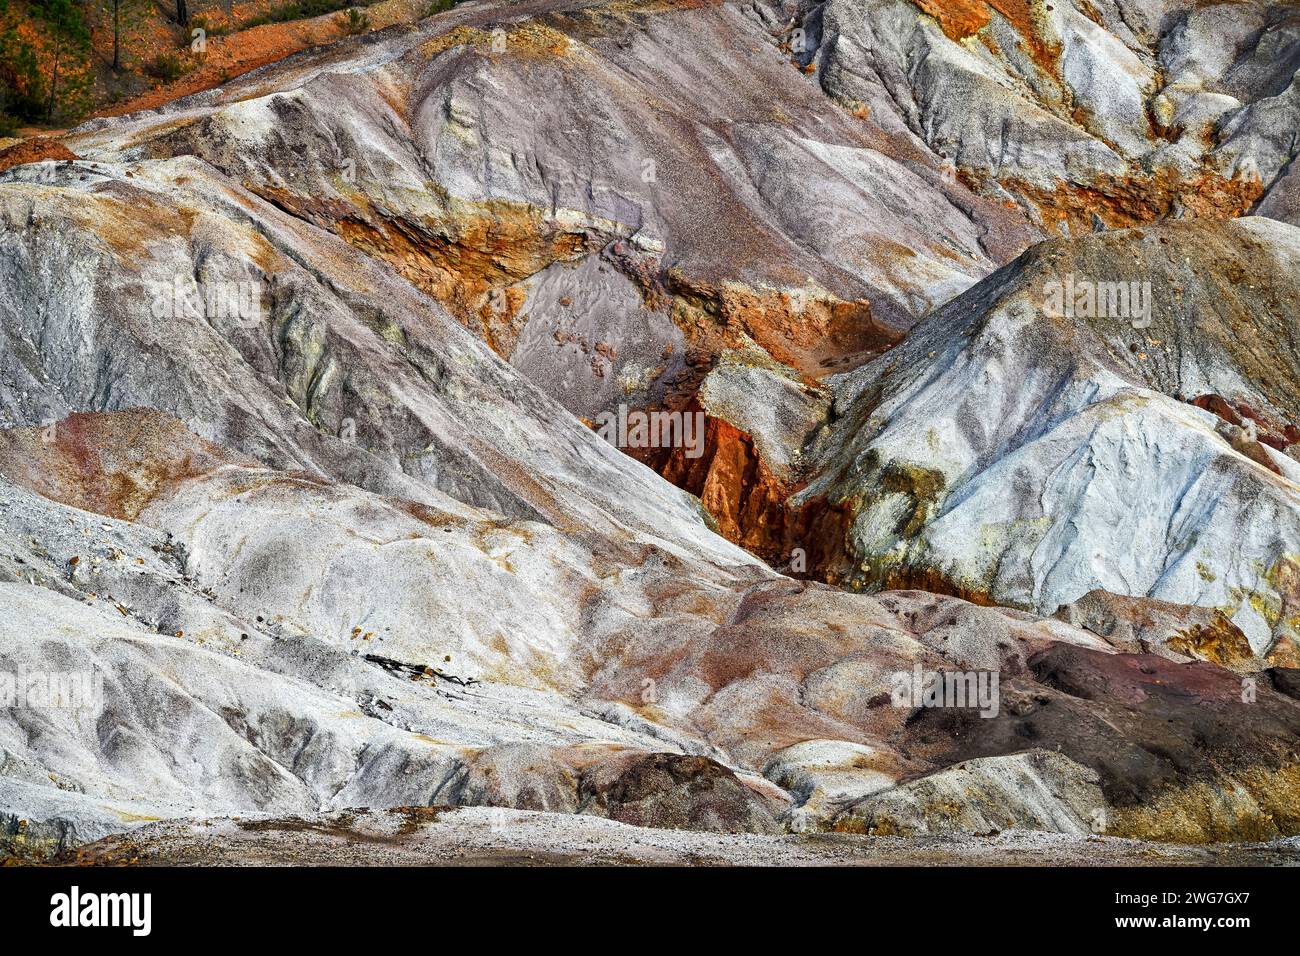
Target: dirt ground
{"points": [[242, 52], [33, 151], [484, 836]]}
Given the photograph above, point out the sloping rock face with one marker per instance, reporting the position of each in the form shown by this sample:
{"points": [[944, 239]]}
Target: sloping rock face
{"points": [[164, 285], [798, 184], [1014, 451], [1035, 790], [275, 643], [1126, 111], [272, 642], [1095, 706], [608, 193], [293, 465], [613, 258], [1176, 631]]}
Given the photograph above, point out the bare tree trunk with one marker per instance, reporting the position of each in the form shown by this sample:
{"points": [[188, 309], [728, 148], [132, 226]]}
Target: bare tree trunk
{"points": [[54, 83], [182, 13], [117, 35]]}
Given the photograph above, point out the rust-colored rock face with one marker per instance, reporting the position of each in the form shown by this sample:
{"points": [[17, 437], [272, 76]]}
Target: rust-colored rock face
{"points": [[1177, 631], [1139, 198], [958, 18], [741, 494], [468, 258], [814, 334], [961, 19], [1269, 431]]}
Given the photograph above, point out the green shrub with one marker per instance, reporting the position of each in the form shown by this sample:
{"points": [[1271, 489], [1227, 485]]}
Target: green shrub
{"points": [[200, 22], [298, 10], [23, 91], [354, 22], [166, 67]]}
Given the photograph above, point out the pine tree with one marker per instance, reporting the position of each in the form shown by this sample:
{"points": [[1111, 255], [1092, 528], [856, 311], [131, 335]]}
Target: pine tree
{"points": [[121, 14], [65, 22], [22, 95]]}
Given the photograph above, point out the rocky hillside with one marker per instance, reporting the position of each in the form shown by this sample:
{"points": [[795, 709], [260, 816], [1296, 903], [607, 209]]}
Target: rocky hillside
{"points": [[987, 314]]}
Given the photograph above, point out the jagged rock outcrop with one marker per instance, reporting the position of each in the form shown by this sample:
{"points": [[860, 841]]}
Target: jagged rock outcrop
{"points": [[1014, 454], [1123, 111], [1177, 631]]}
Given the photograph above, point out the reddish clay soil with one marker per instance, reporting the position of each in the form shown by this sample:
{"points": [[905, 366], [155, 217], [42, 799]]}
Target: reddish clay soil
{"points": [[243, 51], [34, 151], [234, 55]]}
